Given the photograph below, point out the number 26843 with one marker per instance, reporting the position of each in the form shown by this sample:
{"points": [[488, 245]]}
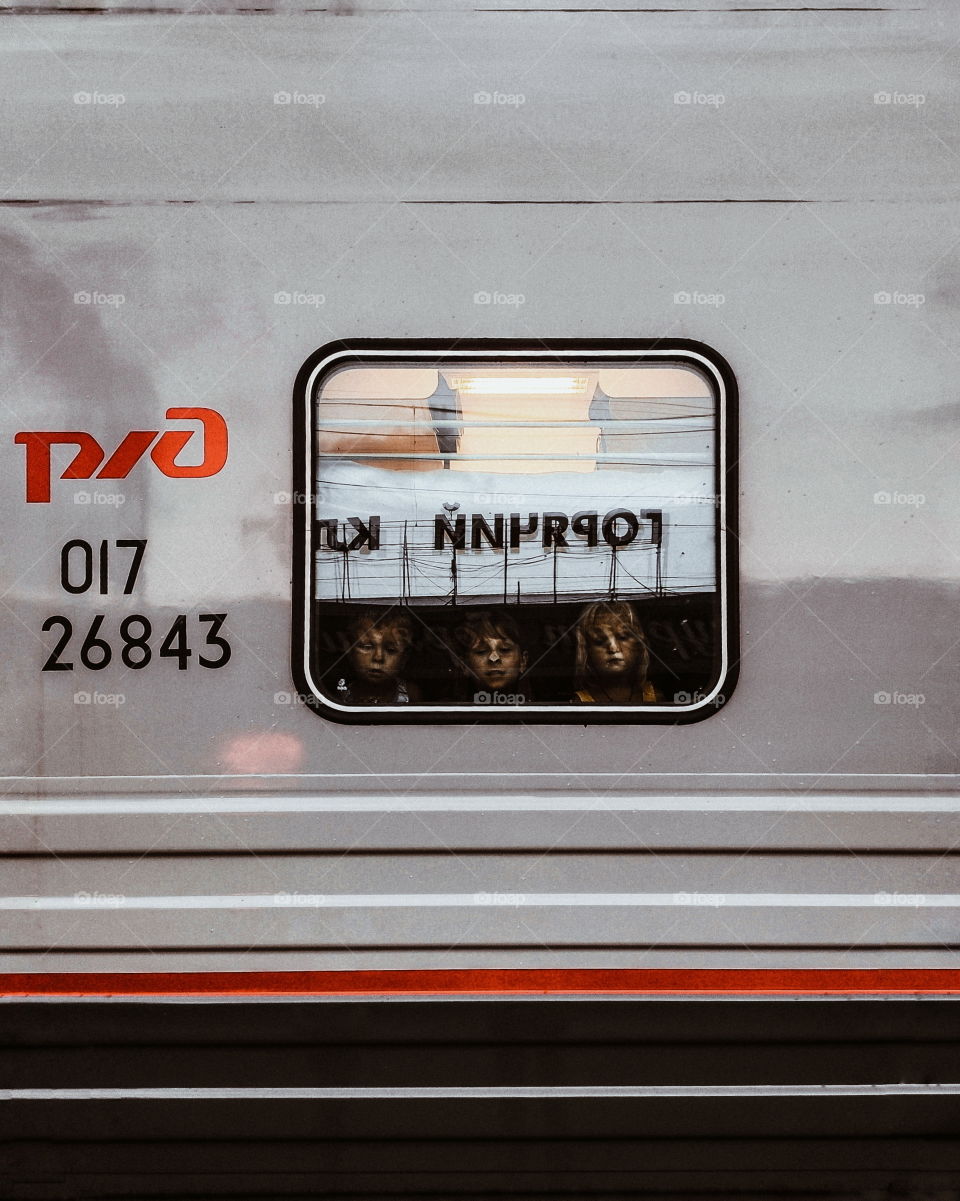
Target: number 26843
{"points": [[133, 643]]}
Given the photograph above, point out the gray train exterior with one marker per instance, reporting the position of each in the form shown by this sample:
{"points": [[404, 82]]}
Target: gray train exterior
{"points": [[194, 201]]}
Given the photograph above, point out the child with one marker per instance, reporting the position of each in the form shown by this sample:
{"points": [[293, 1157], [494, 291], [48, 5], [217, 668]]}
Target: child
{"points": [[380, 643], [612, 656], [490, 652]]}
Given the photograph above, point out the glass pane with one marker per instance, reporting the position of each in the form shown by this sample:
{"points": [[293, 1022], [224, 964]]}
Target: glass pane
{"points": [[515, 535]]}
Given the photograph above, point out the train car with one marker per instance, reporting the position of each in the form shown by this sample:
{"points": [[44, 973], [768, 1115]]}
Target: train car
{"points": [[479, 602]]}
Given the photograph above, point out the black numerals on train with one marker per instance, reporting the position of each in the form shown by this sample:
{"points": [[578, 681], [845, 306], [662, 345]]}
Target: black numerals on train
{"points": [[135, 641], [105, 566], [80, 565]]}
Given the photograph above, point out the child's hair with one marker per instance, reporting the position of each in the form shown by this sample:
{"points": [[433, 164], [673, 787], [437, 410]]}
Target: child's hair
{"points": [[619, 614], [383, 620], [486, 623]]}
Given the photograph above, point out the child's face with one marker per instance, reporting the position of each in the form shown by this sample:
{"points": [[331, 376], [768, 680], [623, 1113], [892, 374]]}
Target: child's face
{"points": [[613, 650], [496, 662], [377, 655]]}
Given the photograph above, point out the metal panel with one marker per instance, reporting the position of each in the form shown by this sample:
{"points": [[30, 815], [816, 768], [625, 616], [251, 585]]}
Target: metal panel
{"points": [[799, 198], [525, 1099]]}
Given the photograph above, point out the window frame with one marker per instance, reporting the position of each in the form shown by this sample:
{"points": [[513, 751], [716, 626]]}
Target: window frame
{"points": [[555, 353]]}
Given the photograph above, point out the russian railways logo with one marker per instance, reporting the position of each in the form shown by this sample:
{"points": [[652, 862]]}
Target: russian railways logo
{"points": [[90, 454]]}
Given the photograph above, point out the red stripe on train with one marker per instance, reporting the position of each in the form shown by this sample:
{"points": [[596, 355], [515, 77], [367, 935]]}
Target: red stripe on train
{"points": [[485, 982]]}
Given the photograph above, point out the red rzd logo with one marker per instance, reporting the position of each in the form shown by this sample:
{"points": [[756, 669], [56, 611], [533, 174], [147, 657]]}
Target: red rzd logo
{"points": [[90, 453]]}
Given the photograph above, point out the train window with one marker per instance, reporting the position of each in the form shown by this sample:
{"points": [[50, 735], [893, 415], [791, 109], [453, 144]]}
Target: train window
{"points": [[515, 533]]}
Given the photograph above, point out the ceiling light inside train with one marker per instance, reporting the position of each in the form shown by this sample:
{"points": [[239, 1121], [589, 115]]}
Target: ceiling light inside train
{"points": [[515, 385]]}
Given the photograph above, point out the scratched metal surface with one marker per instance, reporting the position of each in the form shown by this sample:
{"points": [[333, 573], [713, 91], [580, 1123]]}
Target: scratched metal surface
{"points": [[798, 196]]}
